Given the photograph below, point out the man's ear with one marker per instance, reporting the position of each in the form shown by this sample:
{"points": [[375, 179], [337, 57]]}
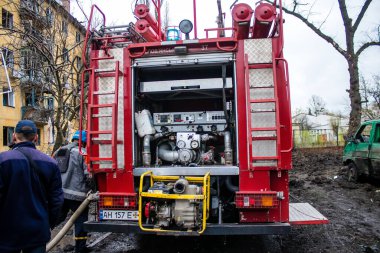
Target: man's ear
{"points": [[35, 138], [14, 137]]}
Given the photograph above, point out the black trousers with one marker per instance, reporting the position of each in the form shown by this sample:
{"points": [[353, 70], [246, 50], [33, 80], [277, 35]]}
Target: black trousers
{"points": [[37, 249], [80, 234]]}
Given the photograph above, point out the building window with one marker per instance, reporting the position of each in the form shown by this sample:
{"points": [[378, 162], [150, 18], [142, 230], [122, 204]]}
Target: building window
{"points": [[8, 97], [77, 37], [36, 7], [78, 63], [8, 57], [50, 104], [29, 101], [64, 27], [7, 19], [49, 16], [7, 135], [65, 55], [27, 63]]}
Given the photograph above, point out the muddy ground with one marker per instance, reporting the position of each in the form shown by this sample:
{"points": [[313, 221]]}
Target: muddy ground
{"points": [[317, 178]]}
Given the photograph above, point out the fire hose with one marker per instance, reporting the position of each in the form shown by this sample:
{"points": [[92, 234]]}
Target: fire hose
{"points": [[70, 222]]}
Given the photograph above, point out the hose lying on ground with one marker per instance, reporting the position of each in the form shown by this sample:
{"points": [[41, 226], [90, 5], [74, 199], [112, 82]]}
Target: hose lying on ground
{"points": [[70, 222]]}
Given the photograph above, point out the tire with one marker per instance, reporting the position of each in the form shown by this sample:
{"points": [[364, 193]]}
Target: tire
{"points": [[353, 173]]}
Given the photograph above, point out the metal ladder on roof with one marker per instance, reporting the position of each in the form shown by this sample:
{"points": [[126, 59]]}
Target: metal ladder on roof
{"points": [[263, 117]]}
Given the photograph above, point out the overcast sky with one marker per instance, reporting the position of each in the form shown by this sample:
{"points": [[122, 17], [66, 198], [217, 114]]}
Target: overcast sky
{"points": [[315, 67]]}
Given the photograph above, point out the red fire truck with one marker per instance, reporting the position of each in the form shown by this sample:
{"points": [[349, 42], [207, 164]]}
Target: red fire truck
{"points": [[190, 135]]}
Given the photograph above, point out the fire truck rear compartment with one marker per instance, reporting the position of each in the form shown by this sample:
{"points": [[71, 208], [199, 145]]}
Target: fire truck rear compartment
{"points": [[190, 110], [184, 114]]}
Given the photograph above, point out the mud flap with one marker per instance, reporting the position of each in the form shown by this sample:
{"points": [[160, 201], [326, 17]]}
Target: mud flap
{"points": [[305, 214]]}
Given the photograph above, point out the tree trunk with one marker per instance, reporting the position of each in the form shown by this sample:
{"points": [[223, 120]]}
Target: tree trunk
{"points": [[355, 98], [58, 140]]}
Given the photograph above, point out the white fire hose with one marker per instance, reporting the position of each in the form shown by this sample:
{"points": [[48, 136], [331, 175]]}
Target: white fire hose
{"points": [[70, 222]]}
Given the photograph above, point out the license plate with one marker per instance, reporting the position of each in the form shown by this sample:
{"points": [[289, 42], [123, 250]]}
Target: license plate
{"points": [[118, 215]]}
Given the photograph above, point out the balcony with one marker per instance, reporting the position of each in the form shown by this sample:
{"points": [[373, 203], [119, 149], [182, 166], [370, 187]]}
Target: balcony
{"points": [[30, 82], [40, 111], [34, 34], [30, 79], [31, 10], [37, 114]]}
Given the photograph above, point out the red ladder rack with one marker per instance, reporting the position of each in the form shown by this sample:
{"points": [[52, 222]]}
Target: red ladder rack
{"points": [[94, 115]]}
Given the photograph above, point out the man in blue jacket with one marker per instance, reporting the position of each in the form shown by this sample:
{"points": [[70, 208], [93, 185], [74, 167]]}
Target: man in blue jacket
{"points": [[31, 193]]}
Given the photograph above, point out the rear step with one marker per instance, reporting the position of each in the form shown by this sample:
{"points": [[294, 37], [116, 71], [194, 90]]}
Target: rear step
{"points": [[305, 214]]}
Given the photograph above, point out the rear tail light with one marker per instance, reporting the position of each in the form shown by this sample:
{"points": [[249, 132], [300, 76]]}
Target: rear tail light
{"points": [[256, 199], [118, 201]]}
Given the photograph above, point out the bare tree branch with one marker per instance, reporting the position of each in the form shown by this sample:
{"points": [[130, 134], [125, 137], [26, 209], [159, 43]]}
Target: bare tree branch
{"points": [[361, 15], [350, 53], [367, 45], [317, 31], [80, 6]]}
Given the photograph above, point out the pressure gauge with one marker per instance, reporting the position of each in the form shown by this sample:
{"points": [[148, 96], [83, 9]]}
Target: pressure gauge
{"points": [[194, 144], [181, 144]]}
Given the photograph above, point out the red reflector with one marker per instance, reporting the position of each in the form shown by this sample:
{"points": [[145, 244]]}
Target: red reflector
{"points": [[251, 201], [117, 201], [132, 201], [256, 200]]}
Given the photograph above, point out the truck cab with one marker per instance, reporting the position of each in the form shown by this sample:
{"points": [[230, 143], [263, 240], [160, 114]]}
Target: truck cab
{"points": [[362, 152]]}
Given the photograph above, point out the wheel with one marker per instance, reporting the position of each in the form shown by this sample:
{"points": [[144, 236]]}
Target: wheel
{"points": [[353, 174]]}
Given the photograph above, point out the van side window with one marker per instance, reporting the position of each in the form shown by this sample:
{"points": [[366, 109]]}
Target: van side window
{"points": [[364, 134], [377, 134]]}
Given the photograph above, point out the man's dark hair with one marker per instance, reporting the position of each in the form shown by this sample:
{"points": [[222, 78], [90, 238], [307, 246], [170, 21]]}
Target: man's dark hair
{"points": [[27, 134]]}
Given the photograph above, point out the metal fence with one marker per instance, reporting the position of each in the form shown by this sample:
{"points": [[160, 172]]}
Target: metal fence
{"points": [[319, 138]]}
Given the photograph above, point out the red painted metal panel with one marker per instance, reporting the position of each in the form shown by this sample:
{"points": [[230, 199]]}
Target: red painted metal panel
{"points": [[128, 127], [280, 183], [241, 104], [119, 181], [249, 216]]}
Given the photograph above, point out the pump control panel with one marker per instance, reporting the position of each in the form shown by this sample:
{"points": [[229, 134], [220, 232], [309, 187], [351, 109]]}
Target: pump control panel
{"points": [[190, 121], [181, 118]]}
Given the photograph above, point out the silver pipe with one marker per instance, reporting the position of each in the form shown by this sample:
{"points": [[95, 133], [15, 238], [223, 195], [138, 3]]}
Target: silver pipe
{"points": [[165, 153], [147, 156], [220, 213], [227, 147], [220, 202], [207, 137]]}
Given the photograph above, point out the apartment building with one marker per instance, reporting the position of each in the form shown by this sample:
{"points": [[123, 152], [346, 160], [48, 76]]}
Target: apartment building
{"points": [[41, 45]]}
